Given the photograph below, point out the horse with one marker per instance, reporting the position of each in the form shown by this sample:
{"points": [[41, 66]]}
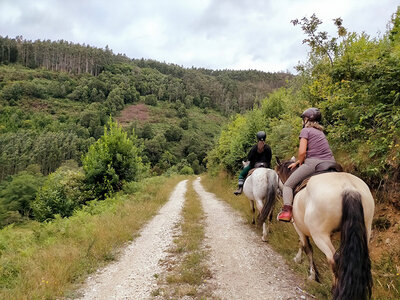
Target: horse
{"points": [[331, 202], [260, 188]]}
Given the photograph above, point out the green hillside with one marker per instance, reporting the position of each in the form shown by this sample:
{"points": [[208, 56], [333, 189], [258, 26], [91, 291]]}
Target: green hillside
{"points": [[56, 99]]}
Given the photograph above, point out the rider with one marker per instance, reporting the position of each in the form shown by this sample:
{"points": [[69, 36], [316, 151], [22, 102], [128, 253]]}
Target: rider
{"points": [[313, 149], [259, 153]]}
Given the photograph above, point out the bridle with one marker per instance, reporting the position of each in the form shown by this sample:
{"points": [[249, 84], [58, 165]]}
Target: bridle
{"points": [[280, 182]]}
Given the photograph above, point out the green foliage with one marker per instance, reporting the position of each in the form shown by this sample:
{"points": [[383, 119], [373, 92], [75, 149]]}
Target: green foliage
{"points": [[62, 192], [151, 100], [111, 161], [16, 195], [173, 134], [186, 170], [147, 132], [319, 42], [115, 100], [236, 140]]}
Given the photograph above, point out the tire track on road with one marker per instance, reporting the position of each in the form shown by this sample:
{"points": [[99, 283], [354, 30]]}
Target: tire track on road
{"points": [[243, 267], [132, 276]]}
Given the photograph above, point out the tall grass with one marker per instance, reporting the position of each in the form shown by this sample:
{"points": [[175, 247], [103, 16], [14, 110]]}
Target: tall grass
{"points": [[46, 260], [284, 239]]}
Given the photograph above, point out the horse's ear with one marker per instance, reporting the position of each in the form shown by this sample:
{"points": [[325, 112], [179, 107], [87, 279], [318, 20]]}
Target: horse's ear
{"points": [[293, 159], [278, 161]]}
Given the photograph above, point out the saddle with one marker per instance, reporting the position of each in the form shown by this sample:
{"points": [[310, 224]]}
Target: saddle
{"points": [[323, 167], [256, 166]]}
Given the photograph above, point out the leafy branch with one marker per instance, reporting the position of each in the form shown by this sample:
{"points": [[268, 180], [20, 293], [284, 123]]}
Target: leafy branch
{"points": [[319, 41]]}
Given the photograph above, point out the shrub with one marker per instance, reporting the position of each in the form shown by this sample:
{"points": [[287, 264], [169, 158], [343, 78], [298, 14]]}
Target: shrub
{"points": [[186, 170], [115, 100], [13, 91], [111, 161], [173, 134], [18, 194], [151, 100], [62, 192]]}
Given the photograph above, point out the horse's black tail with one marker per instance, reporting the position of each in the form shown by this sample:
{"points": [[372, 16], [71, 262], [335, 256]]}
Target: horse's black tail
{"points": [[268, 205], [352, 262]]}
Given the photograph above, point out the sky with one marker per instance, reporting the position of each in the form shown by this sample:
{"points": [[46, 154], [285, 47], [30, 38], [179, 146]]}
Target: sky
{"points": [[213, 34]]}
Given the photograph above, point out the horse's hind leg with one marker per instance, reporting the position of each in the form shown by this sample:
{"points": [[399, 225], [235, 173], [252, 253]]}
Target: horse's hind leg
{"points": [[314, 275], [324, 243], [253, 210], [265, 232], [307, 248]]}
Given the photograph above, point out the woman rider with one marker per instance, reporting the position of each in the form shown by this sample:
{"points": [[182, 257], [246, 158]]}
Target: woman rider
{"points": [[313, 149], [259, 153]]}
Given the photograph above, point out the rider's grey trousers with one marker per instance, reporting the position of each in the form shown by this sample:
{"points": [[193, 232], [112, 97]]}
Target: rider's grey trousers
{"points": [[300, 174]]}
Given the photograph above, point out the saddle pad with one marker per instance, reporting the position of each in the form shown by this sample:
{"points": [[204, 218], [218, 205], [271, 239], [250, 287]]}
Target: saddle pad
{"points": [[252, 170], [303, 183], [301, 186]]}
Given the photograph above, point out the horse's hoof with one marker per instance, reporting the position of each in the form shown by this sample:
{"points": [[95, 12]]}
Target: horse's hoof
{"points": [[264, 239], [311, 277]]}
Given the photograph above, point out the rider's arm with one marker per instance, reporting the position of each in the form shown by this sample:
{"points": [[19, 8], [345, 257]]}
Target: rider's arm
{"points": [[302, 150], [302, 153]]}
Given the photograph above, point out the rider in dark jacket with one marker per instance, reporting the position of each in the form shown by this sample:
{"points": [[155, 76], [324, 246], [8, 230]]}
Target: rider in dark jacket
{"points": [[259, 153]]}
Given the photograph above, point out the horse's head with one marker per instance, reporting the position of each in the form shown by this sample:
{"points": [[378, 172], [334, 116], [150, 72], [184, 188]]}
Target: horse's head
{"points": [[282, 168]]}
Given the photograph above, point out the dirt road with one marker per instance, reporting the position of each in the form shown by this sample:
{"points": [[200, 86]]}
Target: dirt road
{"points": [[242, 266], [133, 275]]}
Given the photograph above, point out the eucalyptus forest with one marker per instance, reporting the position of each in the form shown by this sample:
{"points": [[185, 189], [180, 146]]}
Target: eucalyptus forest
{"points": [[80, 125]]}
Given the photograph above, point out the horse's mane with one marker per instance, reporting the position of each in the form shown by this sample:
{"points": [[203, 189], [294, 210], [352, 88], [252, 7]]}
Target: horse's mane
{"points": [[283, 171]]}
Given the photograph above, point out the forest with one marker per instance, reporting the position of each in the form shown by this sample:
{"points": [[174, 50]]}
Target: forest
{"points": [[56, 101]]}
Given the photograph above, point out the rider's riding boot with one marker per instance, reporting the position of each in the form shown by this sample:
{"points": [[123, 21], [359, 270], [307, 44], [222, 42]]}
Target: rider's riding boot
{"points": [[240, 188], [286, 214]]}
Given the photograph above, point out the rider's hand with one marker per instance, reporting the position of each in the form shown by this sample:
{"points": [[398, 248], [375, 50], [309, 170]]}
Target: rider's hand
{"points": [[293, 165]]}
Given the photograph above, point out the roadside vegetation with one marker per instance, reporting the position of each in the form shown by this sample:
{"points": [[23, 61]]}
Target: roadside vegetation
{"points": [[46, 260], [187, 270]]}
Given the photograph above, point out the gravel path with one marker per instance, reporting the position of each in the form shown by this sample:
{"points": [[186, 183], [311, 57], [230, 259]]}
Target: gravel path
{"points": [[243, 267], [132, 276]]}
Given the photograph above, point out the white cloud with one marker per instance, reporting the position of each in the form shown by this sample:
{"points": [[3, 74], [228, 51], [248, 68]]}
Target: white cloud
{"points": [[236, 34]]}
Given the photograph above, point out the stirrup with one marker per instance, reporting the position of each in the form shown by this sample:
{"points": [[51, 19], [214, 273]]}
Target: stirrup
{"points": [[238, 191]]}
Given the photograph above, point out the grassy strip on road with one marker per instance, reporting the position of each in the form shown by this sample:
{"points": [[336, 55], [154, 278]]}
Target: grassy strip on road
{"points": [[284, 239], [46, 260], [187, 268]]}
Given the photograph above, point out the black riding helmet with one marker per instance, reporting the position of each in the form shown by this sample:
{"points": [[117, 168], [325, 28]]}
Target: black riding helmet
{"points": [[313, 114], [261, 136]]}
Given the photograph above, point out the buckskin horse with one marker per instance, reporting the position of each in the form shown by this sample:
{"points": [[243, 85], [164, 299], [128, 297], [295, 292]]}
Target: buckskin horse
{"points": [[335, 202], [260, 188]]}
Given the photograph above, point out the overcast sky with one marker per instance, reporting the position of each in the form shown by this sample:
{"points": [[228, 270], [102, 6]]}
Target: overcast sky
{"points": [[215, 34]]}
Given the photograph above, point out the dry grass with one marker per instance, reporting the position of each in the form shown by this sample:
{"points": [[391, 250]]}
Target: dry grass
{"points": [[385, 246], [44, 261], [187, 269]]}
